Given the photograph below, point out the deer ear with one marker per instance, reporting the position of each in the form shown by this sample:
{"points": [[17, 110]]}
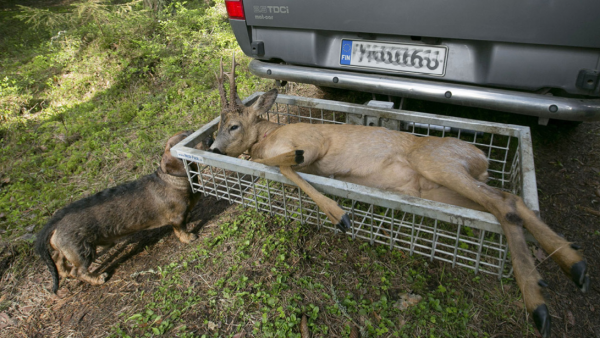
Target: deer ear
{"points": [[264, 102]]}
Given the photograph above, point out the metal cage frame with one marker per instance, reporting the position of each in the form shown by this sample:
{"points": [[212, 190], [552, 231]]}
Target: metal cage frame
{"points": [[460, 236]]}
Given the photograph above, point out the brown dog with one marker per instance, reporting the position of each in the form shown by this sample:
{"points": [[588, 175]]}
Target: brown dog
{"points": [[67, 243]]}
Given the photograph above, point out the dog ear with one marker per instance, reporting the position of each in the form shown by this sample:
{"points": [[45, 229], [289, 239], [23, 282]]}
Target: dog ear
{"points": [[170, 164]]}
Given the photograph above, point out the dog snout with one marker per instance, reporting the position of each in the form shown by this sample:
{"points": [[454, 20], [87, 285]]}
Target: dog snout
{"points": [[208, 141]]}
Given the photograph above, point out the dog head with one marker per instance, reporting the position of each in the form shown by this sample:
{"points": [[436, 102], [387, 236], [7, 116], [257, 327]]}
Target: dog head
{"points": [[170, 164]]}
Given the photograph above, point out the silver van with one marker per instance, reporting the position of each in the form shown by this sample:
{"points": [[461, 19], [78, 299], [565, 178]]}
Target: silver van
{"points": [[532, 57]]}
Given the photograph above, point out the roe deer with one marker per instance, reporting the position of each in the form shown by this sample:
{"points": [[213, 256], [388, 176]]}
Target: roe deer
{"points": [[441, 169]]}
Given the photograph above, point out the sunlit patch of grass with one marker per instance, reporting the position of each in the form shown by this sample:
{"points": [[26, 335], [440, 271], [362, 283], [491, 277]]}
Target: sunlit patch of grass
{"points": [[92, 108]]}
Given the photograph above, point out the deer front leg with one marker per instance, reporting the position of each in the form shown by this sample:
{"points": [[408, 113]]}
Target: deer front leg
{"points": [[333, 211], [290, 158], [284, 161]]}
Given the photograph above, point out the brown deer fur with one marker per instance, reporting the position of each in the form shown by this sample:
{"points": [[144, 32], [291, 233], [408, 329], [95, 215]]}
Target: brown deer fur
{"points": [[441, 169]]}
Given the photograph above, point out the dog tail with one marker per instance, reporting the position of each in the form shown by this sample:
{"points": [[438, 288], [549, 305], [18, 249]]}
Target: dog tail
{"points": [[41, 247]]}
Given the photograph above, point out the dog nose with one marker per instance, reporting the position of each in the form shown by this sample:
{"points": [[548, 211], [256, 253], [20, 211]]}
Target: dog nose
{"points": [[217, 151], [208, 142]]}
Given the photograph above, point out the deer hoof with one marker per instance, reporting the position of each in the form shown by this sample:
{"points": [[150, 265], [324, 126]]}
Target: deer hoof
{"points": [[299, 159], [344, 225], [541, 318], [579, 276]]}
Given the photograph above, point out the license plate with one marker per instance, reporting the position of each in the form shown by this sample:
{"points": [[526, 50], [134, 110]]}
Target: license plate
{"points": [[398, 57]]}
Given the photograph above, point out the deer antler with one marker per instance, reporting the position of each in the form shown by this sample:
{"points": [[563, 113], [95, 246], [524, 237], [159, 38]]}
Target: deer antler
{"points": [[221, 87], [232, 87]]}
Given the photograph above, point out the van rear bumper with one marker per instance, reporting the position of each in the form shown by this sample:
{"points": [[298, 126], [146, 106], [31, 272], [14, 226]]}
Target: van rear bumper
{"points": [[543, 106]]}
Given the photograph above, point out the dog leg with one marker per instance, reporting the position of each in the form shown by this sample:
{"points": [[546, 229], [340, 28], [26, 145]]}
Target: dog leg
{"points": [[183, 235], [81, 264], [63, 269], [84, 275]]}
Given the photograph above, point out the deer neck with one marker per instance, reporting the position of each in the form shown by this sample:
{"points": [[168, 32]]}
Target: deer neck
{"points": [[264, 128]]}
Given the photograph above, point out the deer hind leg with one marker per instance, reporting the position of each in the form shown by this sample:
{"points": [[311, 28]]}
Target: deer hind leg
{"points": [[563, 252], [512, 214], [503, 206], [566, 254]]}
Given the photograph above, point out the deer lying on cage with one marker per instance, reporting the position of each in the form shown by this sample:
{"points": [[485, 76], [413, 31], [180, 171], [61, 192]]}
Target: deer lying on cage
{"points": [[446, 170]]}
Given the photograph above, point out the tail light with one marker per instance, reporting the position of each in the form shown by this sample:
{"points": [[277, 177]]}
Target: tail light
{"points": [[235, 9]]}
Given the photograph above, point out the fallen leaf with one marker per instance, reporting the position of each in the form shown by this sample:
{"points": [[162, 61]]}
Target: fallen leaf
{"points": [[26, 309], [30, 228], [212, 326], [26, 237], [5, 318], [6, 180], [570, 318], [377, 316], [540, 254], [304, 327], [62, 293], [61, 137], [407, 300], [354, 332], [402, 321], [240, 335], [592, 309]]}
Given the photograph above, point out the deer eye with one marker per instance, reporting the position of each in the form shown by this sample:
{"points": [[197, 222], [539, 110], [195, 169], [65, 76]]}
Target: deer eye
{"points": [[234, 127]]}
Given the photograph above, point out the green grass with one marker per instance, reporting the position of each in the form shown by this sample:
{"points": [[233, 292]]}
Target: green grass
{"points": [[262, 274], [94, 106]]}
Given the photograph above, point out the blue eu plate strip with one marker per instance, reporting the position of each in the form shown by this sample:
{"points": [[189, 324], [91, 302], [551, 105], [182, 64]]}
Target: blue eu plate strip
{"points": [[346, 52]]}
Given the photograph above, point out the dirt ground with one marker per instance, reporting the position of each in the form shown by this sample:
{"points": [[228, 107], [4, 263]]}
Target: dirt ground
{"points": [[567, 160]]}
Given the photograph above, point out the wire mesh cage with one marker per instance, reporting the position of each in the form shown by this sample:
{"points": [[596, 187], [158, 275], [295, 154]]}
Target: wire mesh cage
{"points": [[460, 236]]}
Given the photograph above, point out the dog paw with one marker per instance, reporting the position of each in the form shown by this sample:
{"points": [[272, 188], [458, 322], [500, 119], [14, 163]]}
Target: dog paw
{"points": [[187, 238], [102, 278]]}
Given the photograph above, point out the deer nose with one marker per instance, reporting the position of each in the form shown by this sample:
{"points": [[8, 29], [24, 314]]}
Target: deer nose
{"points": [[217, 151]]}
